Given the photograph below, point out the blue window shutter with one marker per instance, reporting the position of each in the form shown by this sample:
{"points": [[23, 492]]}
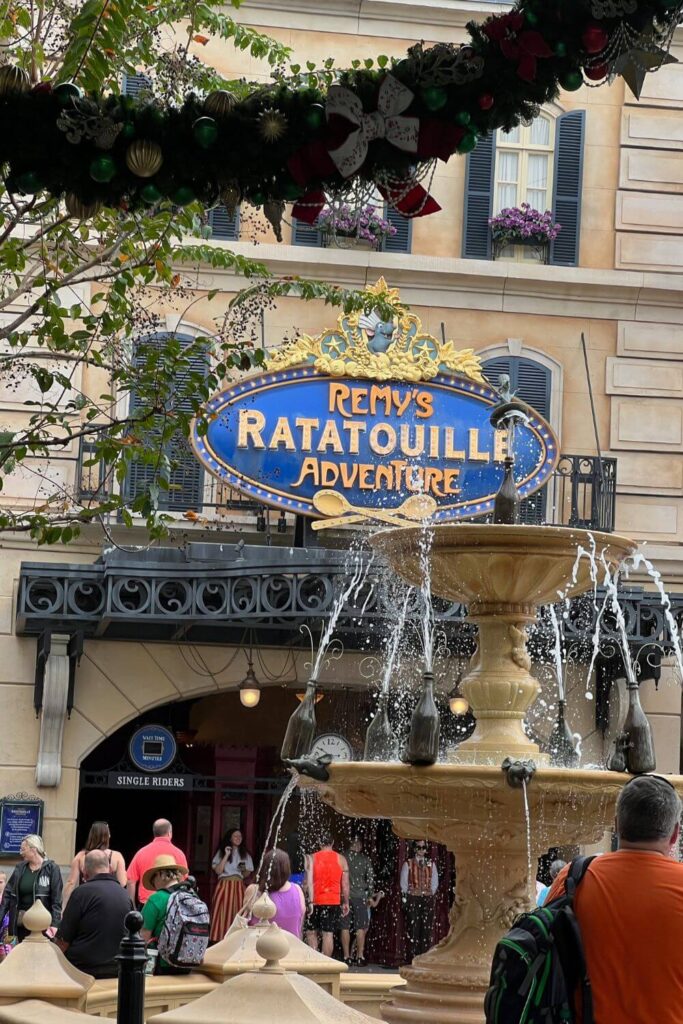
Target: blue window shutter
{"points": [[306, 234], [187, 474], [401, 241], [571, 127], [133, 85], [476, 236], [495, 368], [530, 381], [223, 226]]}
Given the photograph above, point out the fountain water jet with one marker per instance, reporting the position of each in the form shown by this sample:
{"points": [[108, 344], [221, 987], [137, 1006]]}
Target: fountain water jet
{"points": [[502, 573]]}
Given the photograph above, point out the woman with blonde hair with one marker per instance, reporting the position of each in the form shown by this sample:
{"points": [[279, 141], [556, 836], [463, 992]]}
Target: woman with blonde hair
{"points": [[99, 838], [35, 877]]}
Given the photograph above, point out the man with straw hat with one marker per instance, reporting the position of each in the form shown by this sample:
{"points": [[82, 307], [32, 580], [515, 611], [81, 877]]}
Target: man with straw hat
{"points": [[162, 877]]}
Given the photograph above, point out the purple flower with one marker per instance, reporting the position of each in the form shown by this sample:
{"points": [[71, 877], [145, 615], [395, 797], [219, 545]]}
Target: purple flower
{"points": [[363, 222], [516, 223]]}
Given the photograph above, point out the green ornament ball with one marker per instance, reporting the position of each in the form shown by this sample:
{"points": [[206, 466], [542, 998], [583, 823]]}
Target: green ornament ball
{"points": [[560, 49], [463, 118], [291, 190], [29, 182], [434, 97], [531, 18], [102, 169], [150, 193], [257, 198], [127, 130], [205, 132], [571, 81], [467, 143], [183, 195], [314, 117], [66, 92]]}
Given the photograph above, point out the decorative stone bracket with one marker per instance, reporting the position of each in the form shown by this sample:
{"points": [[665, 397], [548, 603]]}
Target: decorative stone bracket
{"points": [[53, 699]]}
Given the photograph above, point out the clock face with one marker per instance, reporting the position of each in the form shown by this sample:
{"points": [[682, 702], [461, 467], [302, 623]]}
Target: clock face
{"points": [[331, 743]]}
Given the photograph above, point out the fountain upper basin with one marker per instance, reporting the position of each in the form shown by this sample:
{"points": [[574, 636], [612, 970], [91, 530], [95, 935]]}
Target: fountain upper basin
{"points": [[482, 563]]}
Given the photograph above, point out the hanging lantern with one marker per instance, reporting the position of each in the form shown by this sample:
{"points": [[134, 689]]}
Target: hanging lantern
{"points": [[219, 103], [250, 689], [79, 208], [144, 158], [13, 80]]}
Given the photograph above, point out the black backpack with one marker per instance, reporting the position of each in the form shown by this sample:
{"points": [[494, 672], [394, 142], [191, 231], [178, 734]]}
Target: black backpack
{"points": [[538, 965]]}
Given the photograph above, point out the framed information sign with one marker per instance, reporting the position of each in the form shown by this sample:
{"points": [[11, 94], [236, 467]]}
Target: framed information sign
{"points": [[20, 815]]}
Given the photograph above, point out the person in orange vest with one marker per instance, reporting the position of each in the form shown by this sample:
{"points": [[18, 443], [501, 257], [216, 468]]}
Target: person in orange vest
{"points": [[327, 885], [419, 882]]}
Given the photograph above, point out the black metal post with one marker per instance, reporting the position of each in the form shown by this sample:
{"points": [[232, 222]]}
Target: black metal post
{"points": [[132, 959]]}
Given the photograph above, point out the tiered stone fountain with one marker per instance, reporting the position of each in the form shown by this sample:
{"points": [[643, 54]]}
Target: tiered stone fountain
{"points": [[502, 573]]}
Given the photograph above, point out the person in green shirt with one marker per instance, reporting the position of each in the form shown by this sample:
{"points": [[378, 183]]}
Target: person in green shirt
{"points": [[163, 877], [362, 898]]}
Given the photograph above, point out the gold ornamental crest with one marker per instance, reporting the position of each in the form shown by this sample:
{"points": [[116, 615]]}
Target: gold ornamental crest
{"points": [[363, 345]]}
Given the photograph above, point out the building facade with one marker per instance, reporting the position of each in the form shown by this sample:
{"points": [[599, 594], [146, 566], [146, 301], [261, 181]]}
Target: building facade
{"points": [[96, 641]]}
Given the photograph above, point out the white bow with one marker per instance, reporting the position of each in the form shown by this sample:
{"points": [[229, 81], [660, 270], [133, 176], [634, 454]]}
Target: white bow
{"points": [[384, 123]]}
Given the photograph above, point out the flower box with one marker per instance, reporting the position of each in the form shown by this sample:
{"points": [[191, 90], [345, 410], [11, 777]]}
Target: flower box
{"points": [[347, 228], [523, 225]]}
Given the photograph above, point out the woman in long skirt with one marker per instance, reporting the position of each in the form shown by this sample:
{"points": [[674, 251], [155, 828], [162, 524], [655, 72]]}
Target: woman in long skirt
{"points": [[232, 864]]}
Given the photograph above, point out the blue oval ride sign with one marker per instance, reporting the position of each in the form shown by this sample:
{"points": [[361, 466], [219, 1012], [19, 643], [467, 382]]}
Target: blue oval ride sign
{"points": [[281, 437]]}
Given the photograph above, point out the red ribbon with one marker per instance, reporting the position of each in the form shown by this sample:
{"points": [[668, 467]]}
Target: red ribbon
{"points": [[307, 209], [415, 203], [523, 46]]}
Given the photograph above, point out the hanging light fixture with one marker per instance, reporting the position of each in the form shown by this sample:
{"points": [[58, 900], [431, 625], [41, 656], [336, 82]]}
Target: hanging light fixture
{"points": [[458, 704], [250, 688]]}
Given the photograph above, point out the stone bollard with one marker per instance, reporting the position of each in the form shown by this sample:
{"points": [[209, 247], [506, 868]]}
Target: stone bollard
{"points": [[132, 960], [270, 993], [37, 970], [238, 952]]}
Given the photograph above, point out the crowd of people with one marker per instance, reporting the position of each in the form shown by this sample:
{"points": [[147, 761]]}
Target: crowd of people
{"points": [[326, 893], [325, 897]]}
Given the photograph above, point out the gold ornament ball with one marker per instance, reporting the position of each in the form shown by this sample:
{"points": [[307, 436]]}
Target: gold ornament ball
{"points": [[272, 125], [144, 158], [13, 80], [219, 103], [77, 207]]}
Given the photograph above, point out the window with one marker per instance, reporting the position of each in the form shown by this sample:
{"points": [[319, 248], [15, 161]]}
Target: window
{"points": [[187, 475], [133, 85], [542, 164], [532, 382], [308, 234], [224, 227]]}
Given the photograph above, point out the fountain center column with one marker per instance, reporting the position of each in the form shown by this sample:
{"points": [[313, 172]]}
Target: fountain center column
{"points": [[501, 688]]}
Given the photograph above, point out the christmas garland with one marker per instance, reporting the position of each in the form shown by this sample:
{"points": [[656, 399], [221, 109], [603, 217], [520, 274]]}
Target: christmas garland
{"points": [[301, 141]]}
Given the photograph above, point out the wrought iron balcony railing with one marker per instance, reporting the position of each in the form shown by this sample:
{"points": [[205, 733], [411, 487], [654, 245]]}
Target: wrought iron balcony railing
{"points": [[581, 491]]}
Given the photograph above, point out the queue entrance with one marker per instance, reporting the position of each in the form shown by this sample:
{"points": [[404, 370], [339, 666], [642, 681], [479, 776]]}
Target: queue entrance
{"points": [[204, 789]]}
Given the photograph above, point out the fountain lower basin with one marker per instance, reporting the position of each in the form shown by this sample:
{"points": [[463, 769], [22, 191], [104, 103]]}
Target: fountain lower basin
{"points": [[473, 811], [502, 573]]}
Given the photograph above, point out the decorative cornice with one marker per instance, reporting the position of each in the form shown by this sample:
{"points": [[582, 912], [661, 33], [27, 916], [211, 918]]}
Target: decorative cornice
{"points": [[478, 284], [438, 20]]}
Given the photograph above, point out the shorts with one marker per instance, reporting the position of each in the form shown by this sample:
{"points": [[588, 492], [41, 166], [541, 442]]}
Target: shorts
{"points": [[358, 917], [324, 919]]}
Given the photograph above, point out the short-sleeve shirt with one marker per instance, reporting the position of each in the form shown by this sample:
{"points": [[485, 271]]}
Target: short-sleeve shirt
{"points": [[93, 925], [145, 858], [361, 876], [630, 910], [154, 914], [231, 869]]}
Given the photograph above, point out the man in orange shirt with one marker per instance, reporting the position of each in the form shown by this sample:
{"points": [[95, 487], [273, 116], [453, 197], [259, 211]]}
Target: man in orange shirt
{"points": [[162, 830], [630, 910], [327, 884]]}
